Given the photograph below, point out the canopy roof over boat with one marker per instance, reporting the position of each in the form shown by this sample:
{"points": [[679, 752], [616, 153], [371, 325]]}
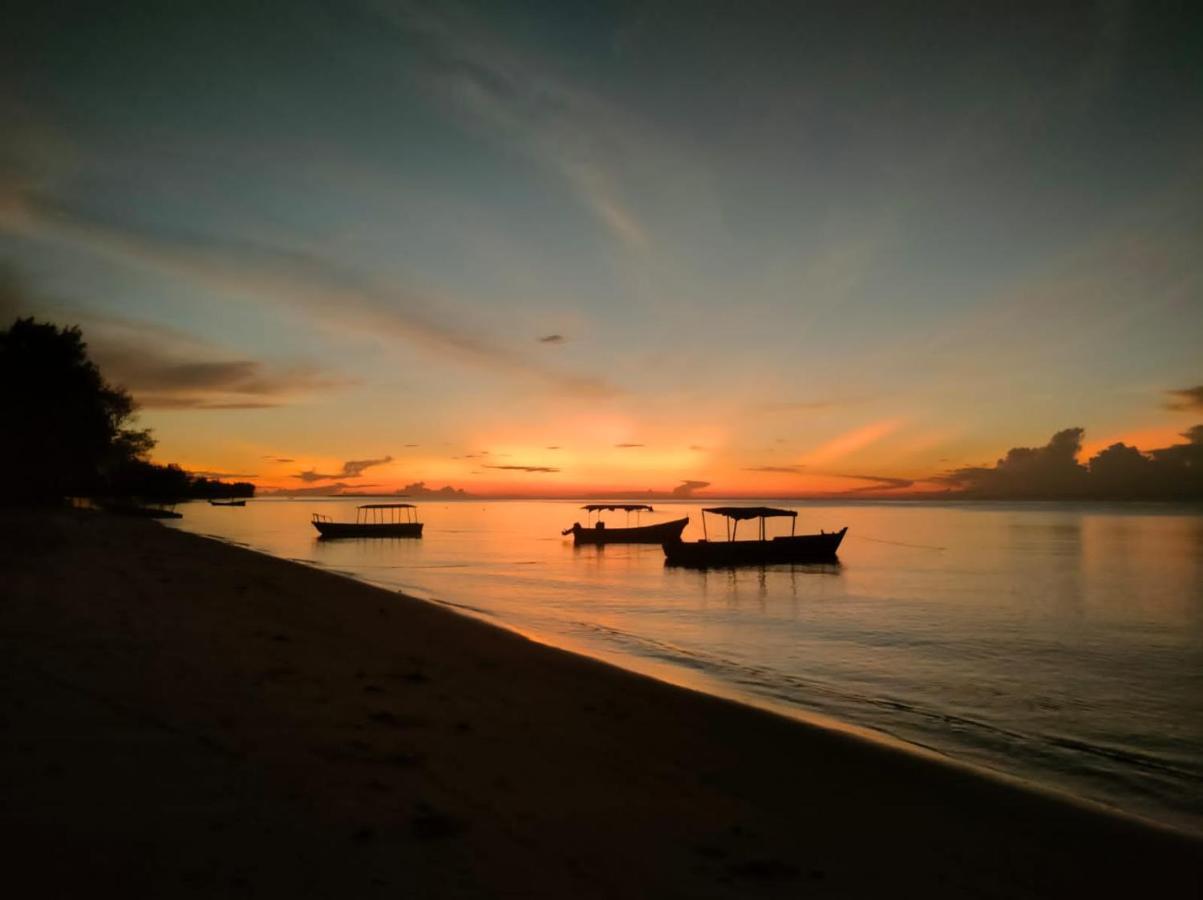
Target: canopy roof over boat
{"points": [[739, 513], [625, 507], [387, 506]]}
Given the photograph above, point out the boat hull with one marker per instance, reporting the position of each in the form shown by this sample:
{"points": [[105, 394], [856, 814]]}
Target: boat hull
{"points": [[660, 533], [369, 530], [802, 548], [227, 503]]}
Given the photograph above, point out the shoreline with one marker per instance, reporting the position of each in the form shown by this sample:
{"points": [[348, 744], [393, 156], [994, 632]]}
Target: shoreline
{"points": [[673, 676], [273, 707]]}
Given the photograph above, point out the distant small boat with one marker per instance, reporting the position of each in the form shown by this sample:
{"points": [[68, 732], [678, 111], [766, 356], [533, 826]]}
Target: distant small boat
{"points": [[227, 503], [373, 520], [793, 548], [659, 533]]}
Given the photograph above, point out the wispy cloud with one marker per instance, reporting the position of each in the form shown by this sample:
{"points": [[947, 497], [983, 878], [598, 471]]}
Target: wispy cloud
{"points": [[352, 468], [1186, 399], [552, 339], [295, 279], [522, 102], [879, 483], [319, 491], [688, 488], [165, 368], [629, 446], [784, 470], [851, 441], [795, 406], [204, 474], [525, 468]]}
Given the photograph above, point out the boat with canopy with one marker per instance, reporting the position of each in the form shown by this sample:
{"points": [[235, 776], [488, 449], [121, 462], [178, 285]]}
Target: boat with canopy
{"points": [[373, 520], [762, 550], [599, 533]]}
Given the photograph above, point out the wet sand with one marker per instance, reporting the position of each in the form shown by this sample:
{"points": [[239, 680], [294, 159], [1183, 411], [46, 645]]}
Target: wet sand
{"points": [[185, 718]]}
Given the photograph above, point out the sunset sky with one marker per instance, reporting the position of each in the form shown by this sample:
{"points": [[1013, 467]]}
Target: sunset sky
{"points": [[542, 249]]}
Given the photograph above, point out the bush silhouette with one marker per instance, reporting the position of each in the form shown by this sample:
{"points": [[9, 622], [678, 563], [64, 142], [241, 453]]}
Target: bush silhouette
{"points": [[66, 424]]}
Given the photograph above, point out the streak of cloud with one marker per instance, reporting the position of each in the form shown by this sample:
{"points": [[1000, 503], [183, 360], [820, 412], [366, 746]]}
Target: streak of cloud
{"points": [[352, 468], [165, 368], [523, 103], [851, 441], [796, 406], [325, 490], [628, 446], [688, 488], [552, 339], [784, 470], [294, 279], [1186, 399], [525, 468], [880, 483]]}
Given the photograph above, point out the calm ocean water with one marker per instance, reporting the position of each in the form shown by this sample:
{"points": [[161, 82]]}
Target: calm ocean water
{"points": [[1059, 643]]}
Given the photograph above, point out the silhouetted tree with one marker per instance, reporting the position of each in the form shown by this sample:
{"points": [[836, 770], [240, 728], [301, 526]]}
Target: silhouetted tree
{"points": [[66, 424]]}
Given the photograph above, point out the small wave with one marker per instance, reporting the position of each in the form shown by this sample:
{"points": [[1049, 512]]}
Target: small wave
{"points": [[467, 606]]}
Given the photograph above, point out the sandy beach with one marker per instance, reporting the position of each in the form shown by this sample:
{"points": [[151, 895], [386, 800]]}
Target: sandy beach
{"points": [[187, 718]]}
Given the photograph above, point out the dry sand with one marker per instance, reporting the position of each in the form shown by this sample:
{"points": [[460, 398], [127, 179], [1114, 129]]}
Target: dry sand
{"points": [[182, 717]]}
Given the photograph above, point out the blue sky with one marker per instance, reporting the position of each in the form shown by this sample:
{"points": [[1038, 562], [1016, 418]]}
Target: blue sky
{"points": [[841, 239]]}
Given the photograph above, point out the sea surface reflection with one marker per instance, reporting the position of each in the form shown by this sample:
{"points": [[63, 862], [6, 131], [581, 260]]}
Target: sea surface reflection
{"points": [[1059, 643]]}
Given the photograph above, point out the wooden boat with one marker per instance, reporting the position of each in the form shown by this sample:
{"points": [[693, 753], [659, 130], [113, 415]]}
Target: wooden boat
{"points": [[373, 520], [227, 503], [598, 533], [792, 548]]}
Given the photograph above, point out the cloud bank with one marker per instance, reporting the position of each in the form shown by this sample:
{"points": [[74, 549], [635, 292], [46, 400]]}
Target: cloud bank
{"points": [[1120, 472]]}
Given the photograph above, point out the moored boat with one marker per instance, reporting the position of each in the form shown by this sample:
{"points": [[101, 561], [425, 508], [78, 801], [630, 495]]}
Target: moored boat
{"points": [[373, 520], [791, 548], [227, 503], [599, 533]]}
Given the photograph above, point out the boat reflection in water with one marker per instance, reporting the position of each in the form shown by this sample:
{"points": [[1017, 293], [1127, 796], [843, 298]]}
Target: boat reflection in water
{"points": [[791, 548], [659, 533], [373, 520]]}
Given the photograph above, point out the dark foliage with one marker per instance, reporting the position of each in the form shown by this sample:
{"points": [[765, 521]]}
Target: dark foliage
{"points": [[146, 481], [68, 434], [67, 421]]}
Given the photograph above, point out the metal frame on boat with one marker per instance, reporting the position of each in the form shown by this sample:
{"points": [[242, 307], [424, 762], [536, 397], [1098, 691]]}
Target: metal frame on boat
{"points": [[793, 548], [373, 520], [598, 533]]}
